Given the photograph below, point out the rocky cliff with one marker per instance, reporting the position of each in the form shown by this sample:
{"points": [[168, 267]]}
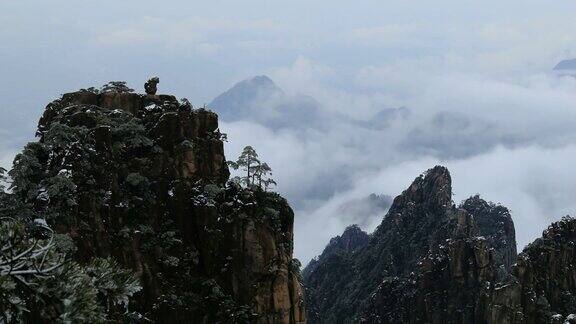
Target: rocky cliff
{"points": [[351, 240], [432, 262], [418, 224], [143, 179], [542, 287], [335, 256]]}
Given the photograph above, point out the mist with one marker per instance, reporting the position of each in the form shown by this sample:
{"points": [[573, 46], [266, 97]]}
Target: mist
{"points": [[511, 142]]}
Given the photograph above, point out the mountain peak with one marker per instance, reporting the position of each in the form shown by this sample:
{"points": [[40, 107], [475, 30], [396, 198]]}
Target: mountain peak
{"points": [[237, 102], [150, 191], [433, 188], [262, 80], [566, 65], [259, 83], [354, 228], [352, 238]]}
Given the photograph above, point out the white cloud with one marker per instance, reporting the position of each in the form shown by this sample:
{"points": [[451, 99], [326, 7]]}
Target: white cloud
{"points": [[500, 137], [202, 35], [384, 35], [125, 37], [536, 184]]}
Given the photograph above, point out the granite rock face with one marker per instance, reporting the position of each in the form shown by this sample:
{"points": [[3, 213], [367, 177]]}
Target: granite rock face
{"points": [[496, 226], [146, 183], [542, 288], [418, 222], [432, 262]]}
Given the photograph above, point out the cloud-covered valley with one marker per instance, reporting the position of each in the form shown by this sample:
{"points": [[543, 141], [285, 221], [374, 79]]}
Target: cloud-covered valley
{"points": [[512, 141]]}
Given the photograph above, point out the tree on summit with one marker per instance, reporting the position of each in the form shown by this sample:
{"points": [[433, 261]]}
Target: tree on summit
{"points": [[116, 86], [247, 161], [262, 176], [257, 173]]}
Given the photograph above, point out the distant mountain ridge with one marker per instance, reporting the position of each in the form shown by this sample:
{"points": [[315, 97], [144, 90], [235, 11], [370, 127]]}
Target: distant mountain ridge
{"points": [[236, 103], [566, 65], [352, 239], [260, 100]]}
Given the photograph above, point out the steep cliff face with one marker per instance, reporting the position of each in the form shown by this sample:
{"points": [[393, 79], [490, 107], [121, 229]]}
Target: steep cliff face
{"points": [[542, 288], [446, 285], [143, 179], [432, 262], [428, 262], [496, 226], [547, 273]]}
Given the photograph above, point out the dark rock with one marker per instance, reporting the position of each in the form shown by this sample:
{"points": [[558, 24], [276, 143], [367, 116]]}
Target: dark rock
{"points": [[150, 189], [151, 86], [496, 225], [351, 240], [544, 280], [428, 262], [566, 65], [418, 219]]}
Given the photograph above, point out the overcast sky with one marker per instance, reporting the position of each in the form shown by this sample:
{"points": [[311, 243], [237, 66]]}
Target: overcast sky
{"points": [[474, 75]]}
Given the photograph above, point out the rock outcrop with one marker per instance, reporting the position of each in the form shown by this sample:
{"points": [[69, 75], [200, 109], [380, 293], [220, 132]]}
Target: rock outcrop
{"points": [[496, 226], [427, 262], [352, 239], [143, 179], [335, 255], [432, 262], [542, 288]]}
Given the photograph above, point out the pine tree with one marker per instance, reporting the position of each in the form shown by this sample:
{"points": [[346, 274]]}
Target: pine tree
{"points": [[247, 161], [116, 86], [262, 176], [257, 174]]}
